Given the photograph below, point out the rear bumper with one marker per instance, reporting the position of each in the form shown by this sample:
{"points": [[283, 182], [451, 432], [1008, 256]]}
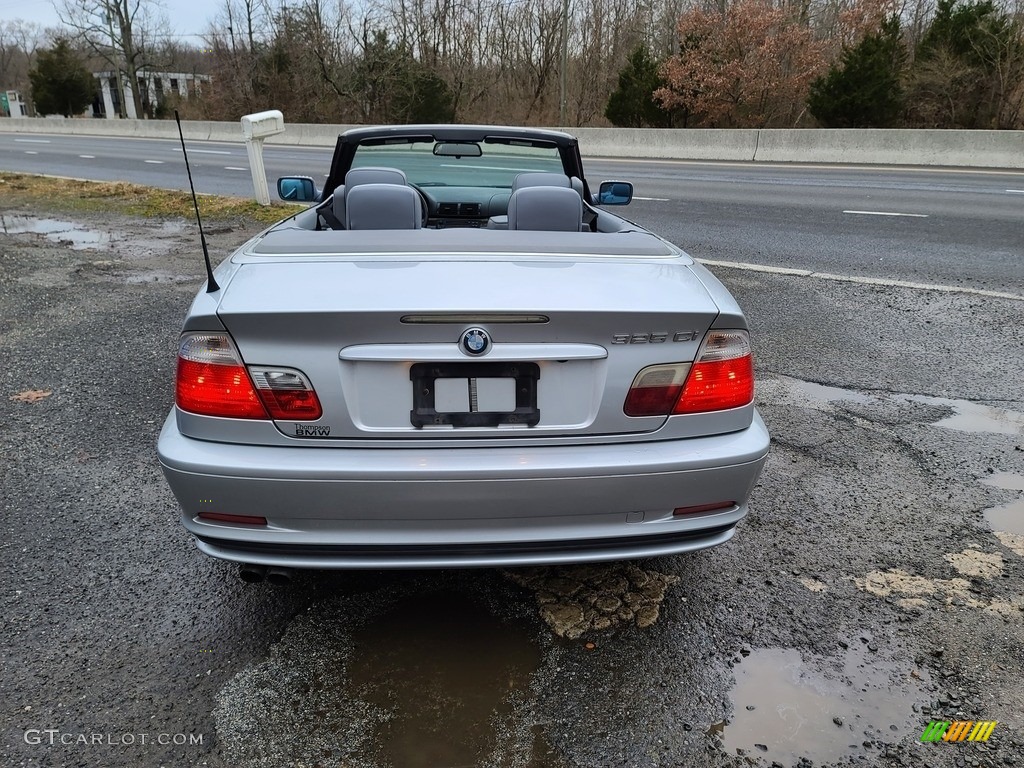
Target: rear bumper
{"points": [[461, 507]]}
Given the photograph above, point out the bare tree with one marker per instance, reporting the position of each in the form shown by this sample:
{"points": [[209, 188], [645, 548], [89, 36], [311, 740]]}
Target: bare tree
{"points": [[121, 33]]}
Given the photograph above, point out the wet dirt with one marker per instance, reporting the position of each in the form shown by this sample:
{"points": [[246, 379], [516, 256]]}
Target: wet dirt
{"points": [[785, 709]]}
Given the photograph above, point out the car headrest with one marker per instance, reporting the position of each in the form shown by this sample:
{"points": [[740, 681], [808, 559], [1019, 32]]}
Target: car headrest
{"points": [[539, 179], [368, 175], [546, 209], [382, 206]]}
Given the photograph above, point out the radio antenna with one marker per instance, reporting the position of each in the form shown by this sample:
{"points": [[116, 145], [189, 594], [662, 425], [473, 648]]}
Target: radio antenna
{"points": [[211, 283]]}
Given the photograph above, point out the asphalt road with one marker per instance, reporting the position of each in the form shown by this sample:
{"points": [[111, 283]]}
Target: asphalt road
{"points": [[877, 585], [952, 227]]}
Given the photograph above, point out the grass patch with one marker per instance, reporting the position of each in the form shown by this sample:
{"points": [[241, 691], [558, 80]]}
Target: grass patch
{"points": [[134, 199]]}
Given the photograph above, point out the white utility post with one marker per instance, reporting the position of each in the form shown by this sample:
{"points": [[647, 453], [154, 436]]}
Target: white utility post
{"points": [[255, 128]]}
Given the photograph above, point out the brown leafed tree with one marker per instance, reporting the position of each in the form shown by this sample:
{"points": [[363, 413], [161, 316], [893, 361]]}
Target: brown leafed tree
{"points": [[749, 67]]}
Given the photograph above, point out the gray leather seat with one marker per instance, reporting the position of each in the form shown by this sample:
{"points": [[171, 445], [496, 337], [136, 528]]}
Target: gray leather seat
{"points": [[368, 175], [546, 209], [383, 206]]}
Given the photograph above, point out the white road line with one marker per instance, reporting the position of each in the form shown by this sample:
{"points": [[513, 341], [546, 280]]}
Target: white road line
{"points": [[88, 157], [656, 199], [234, 168], [857, 279], [31, 152], [33, 141], [1017, 191], [207, 151], [154, 162], [491, 168], [887, 213]]}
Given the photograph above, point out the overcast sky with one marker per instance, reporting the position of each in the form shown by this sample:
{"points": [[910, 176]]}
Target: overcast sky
{"points": [[187, 17]]}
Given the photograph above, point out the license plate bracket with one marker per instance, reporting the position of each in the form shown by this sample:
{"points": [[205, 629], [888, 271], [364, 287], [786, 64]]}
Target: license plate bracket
{"points": [[424, 376]]}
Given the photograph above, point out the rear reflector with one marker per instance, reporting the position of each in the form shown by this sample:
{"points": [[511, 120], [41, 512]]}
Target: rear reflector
{"points": [[212, 381], [222, 517], [682, 511]]}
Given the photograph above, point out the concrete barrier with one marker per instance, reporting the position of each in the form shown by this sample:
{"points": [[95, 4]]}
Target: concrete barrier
{"points": [[871, 146], [977, 149], [667, 143]]}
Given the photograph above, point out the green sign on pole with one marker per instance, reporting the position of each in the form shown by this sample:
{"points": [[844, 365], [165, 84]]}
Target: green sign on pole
{"points": [[5, 106]]}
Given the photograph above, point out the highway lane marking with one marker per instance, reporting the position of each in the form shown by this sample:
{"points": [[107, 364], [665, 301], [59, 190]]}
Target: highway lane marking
{"points": [[33, 141], [88, 157], [1017, 191], [887, 213], [234, 168], [207, 151], [492, 168], [154, 162], [858, 279], [31, 152], [656, 199]]}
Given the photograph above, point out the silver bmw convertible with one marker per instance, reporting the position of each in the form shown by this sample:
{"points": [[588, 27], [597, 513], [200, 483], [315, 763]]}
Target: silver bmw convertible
{"points": [[458, 356]]}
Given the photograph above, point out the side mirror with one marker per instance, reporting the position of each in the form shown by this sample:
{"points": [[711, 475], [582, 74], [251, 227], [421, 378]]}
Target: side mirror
{"points": [[297, 189], [615, 193]]}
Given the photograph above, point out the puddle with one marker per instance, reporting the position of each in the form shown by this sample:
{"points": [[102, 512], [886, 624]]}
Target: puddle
{"points": [[785, 710], [64, 232], [444, 670], [810, 394], [966, 417], [1006, 518], [974, 417]]}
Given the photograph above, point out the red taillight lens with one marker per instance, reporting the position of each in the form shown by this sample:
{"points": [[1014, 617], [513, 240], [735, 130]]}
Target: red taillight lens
{"points": [[286, 394], [212, 381], [722, 377]]}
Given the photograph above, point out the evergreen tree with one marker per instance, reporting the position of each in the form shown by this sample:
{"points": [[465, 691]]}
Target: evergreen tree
{"points": [[632, 104], [60, 82], [863, 89]]}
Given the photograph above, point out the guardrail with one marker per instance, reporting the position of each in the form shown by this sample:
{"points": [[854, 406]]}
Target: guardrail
{"points": [[869, 146]]}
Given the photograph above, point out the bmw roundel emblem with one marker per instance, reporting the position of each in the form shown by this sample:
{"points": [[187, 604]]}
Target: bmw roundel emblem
{"points": [[475, 341]]}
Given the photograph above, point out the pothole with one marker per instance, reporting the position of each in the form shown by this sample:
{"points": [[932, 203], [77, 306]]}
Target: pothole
{"points": [[443, 669], [784, 709], [62, 232], [393, 677], [1006, 518], [975, 417], [966, 416]]}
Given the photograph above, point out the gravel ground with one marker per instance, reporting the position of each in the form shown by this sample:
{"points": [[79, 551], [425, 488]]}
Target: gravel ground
{"points": [[864, 596]]}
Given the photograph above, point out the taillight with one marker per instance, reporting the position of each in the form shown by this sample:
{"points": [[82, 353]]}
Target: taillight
{"points": [[212, 381], [286, 394], [722, 377]]}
